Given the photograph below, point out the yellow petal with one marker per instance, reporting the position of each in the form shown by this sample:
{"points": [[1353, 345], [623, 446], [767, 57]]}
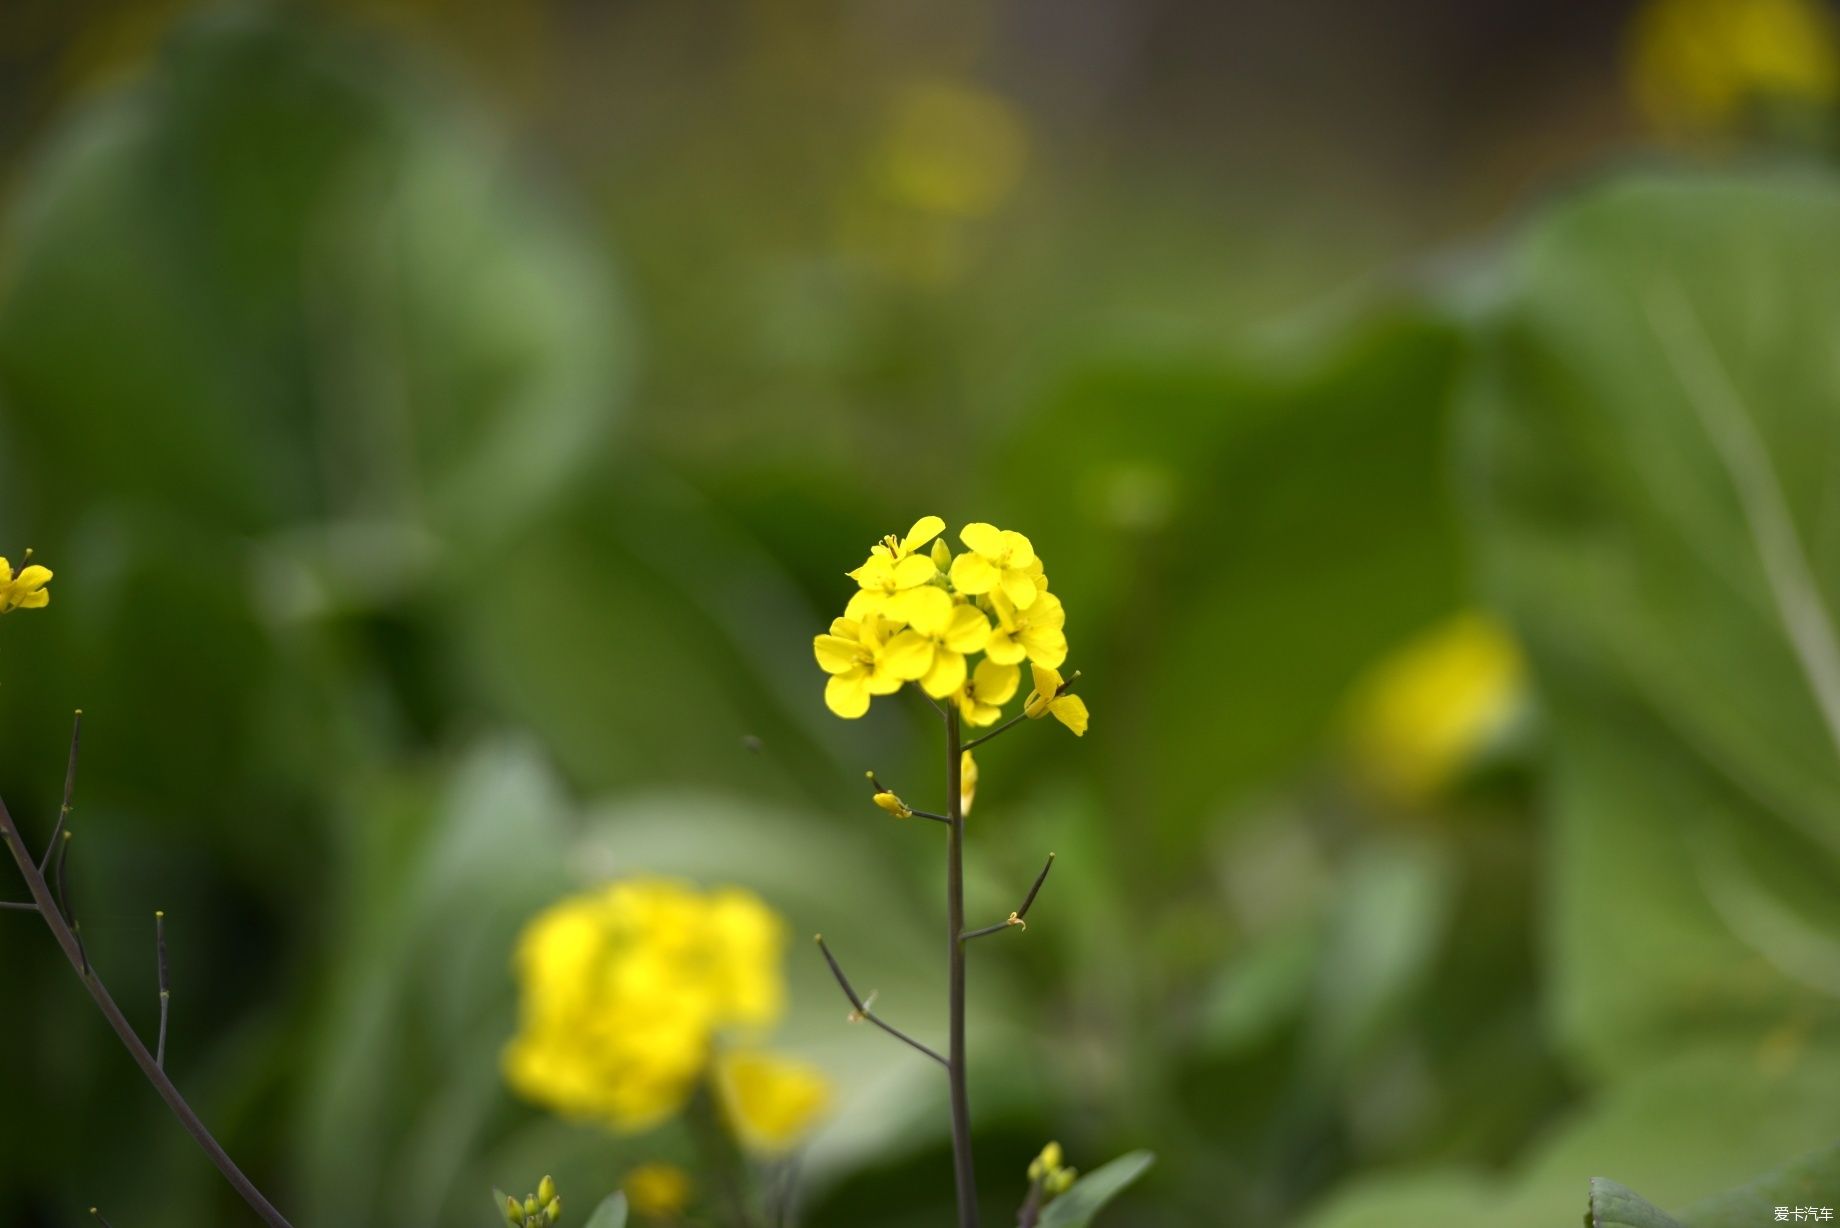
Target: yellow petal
{"points": [[848, 694], [995, 683], [864, 603], [1017, 551], [1070, 710], [906, 657], [1004, 649], [1020, 588], [915, 569], [876, 572], [846, 627], [973, 574], [1044, 646], [835, 654], [771, 1101], [31, 577], [927, 609], [967, 782], [925, 530], [967, 630], [1046, 679], [946, 676], [982, 538]]}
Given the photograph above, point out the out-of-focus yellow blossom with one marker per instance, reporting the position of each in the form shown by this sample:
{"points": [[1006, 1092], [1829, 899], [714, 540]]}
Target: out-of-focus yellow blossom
{"points": [[1035, 633], [657, 1191], [1047, 700], [1696, 66], [951, 149], [980, 701], [1428, 708], [967, 782], [23, 588], [871, 657], [771, 1101], [1046, 1169], [996, 559], [623, 990], [893, 805], [953, 629]]}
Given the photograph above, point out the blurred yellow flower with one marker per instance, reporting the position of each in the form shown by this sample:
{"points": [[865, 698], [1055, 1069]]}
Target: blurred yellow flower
{"points": [[967, 782], [623, 990], [1695, 66], [657, 1191], [951, 149], [1046, 700], [1426, 710], [23, 588], [771, 1101]]}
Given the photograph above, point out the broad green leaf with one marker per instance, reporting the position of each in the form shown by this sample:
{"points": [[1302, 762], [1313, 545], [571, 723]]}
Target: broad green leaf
{"points": [[1612, 1206], [610, 1214], [1088, 1196], [1653, 417], [1810, 1181]]}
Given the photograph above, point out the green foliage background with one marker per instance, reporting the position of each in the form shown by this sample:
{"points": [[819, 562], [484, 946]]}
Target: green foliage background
{"points": [[437, 530]]}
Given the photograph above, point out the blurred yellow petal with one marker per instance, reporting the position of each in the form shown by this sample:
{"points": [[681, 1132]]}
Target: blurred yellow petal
{"points": [[771, 1101], [967, 782], [995, 683], [1070, 710], [967, 630], [657, 1191]]}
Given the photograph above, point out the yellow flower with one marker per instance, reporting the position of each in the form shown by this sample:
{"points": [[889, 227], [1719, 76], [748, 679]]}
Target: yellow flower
{"points": [[893, 567], [772, 1101], [967, 782], [1046, 699], [1035, 633], [893, 805], [657, 1191], [23, 589], [866, 658], [1696, 66], [952, 629], [991, 685], [1427, 709], [623, 990], [999, 559]]}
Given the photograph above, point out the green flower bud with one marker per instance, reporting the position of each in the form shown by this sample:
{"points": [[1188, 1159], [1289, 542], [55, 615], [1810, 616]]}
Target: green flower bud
{"points": [[552, 1211], [546, 1189], [514, 1212]]}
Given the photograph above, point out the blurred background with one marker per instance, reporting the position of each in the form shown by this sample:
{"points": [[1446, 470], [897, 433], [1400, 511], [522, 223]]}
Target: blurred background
{"points": [[449, 422]]}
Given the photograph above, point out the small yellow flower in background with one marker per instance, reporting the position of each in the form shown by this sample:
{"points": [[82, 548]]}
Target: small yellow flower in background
{"points": [[996, 559], [967, 781], [1047, 1171], [623, 990], [1046, 700], [23, 588], [1427, 709], [771, 1101], [1697, 66], [657, 1191]]}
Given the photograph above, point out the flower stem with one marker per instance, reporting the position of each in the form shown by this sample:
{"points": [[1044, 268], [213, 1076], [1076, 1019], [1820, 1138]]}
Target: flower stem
{"points": [[79, 961], [962, 1171]]}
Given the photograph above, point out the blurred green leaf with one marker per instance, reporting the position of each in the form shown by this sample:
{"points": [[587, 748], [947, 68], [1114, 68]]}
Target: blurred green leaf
{"points": [[1088, 1196], [1612, 1206], [1811, 1180], [1652, 416], [610, 1214]]}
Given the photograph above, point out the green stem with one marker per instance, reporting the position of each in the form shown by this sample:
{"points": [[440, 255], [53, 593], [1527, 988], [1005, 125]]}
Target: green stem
{"points": [[964, 1177]]}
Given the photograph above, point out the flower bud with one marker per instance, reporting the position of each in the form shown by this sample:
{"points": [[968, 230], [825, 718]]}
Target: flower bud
{"points": [[1060, 1181], [552, 1211], [514, 1212], [894, 805], [546, 1188]]}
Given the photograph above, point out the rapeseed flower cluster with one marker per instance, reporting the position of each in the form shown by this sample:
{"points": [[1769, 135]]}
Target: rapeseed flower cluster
{"points": [[627, 994], [922, 613]]}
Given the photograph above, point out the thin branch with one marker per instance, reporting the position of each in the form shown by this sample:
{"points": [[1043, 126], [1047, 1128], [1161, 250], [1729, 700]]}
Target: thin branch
{"points": [[17, 906], [159, 944], [927, 814], [100, 1218], [1005, 727], [70, 786], [66, 907], [862, 1010], [1015, 918], [124, 1031]]}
